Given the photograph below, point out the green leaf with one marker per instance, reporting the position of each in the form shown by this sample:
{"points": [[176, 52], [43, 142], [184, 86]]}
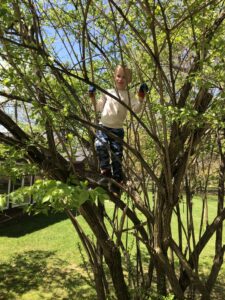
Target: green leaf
{"points": [[3, 201]]}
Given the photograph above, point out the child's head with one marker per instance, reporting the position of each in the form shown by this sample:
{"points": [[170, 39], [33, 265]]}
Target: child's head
{"points": [[122, 77]]}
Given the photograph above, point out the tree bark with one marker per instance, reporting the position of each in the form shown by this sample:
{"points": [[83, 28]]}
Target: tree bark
{"points": [[162, 235], [110, 250]]}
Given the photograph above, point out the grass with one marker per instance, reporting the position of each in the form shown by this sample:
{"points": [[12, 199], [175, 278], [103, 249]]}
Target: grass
{"points": [[207, 255], [40, 258]]}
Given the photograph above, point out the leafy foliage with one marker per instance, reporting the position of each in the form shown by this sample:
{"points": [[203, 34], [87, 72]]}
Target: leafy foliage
{"points": [[55, 195], [13, 163]]}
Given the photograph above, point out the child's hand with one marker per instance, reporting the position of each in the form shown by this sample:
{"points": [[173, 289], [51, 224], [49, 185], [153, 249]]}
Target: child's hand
{"points": [[91, 91], [143, 90]]}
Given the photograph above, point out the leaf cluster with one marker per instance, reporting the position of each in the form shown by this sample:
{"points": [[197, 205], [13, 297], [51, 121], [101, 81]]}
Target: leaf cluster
{"points": [[55, 195], [13, 164]]}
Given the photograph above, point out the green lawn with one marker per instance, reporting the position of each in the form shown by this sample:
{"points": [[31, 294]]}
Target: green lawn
{"points": [[40, 258], [207, 255]]}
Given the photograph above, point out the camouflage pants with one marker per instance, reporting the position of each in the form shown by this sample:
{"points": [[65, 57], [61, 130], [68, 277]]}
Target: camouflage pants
{"points": [[107, 147]]}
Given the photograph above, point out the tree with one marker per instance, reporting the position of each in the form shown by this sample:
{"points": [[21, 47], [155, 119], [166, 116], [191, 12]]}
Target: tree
{"points": [[53, 51]]}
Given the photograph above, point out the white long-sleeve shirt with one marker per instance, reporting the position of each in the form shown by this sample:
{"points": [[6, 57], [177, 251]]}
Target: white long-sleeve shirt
{"points": [[113, 113]]}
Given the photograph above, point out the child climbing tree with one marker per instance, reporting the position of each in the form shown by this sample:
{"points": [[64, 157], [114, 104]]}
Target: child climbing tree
{"points": [[113, 114]]}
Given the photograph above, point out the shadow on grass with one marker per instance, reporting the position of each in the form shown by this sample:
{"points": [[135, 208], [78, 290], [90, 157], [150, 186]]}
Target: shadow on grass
{"points": [[28, 224], [28, 276], [218, 291]]}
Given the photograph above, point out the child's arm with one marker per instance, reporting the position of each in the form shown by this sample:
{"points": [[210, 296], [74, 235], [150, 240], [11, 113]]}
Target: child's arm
{"points": [[143, 90], [92, 91], [137, 105], [98, 105]]}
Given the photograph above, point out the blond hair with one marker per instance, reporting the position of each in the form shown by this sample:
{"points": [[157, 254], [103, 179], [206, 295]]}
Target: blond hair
{"points": [[127, 72]]}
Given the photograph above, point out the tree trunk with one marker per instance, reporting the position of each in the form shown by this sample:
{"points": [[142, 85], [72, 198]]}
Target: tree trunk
{"points": [[110, 250], [162, 235], [158, 238], [97, 267]]}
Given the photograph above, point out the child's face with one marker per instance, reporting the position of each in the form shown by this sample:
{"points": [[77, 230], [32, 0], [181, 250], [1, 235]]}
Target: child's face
{"points": [[121, 78]]}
